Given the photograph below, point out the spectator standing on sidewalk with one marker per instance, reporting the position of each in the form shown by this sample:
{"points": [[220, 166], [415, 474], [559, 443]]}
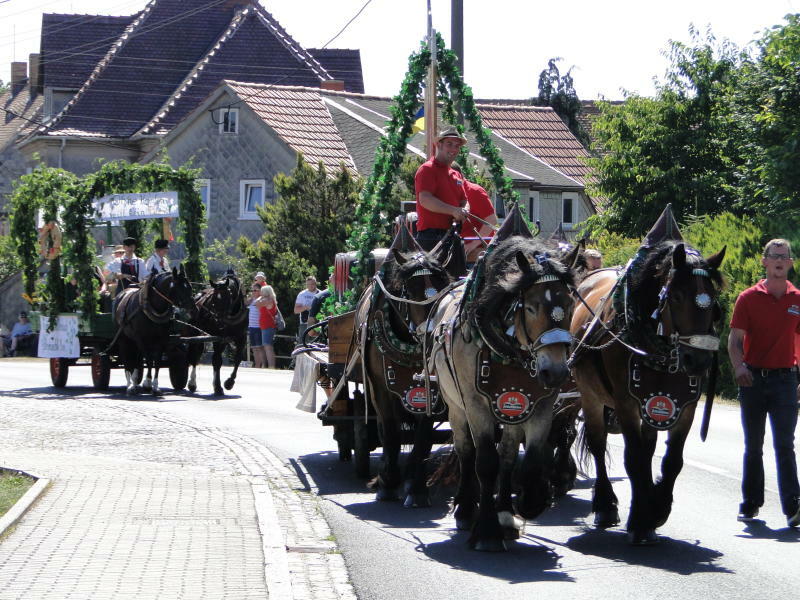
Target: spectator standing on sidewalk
{"points": [[268, 310], [302, 305], [761, 346], [254, 327]]}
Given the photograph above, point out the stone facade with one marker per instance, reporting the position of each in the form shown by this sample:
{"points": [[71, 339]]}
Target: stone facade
{"points": [[254, 153]]}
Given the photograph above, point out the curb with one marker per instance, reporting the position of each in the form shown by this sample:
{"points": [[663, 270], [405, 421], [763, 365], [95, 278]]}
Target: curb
{"points": [[16, 512]]}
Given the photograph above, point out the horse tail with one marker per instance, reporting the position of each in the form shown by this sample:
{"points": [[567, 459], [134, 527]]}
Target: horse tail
{"points": [[584, 453], [447, 471]]}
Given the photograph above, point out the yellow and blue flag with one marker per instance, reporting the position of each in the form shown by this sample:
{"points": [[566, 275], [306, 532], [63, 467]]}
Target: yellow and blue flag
{"points": [[419, 121]]}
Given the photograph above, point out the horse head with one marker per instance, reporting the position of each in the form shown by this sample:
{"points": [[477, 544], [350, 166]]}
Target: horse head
{"points": [[416, 276], [680, 299], [178, 289], [536, 303]]}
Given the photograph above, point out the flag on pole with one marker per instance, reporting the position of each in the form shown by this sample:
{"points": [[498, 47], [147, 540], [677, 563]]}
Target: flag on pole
{"points": [[419, 121]]}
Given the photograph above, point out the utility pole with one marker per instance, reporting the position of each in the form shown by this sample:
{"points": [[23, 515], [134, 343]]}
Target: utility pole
{"points": [[430, 90], [457, 44]]}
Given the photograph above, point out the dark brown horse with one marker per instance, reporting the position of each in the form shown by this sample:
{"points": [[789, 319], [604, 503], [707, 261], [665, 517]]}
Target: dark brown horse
{"points": [[646, 341], [500, 355], [144, 315], [222, 313], [387, 317]]}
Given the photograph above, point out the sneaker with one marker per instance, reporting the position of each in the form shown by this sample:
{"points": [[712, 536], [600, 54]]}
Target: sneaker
{"points": [[747, 512], [794, 519]]}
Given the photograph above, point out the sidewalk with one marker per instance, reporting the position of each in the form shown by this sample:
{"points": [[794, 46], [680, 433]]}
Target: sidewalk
{"points": [[143, 505]]}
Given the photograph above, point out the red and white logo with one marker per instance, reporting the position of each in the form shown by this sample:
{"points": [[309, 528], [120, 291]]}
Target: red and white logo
{"points": [[512, 404], [417, 398], [660, 409]]}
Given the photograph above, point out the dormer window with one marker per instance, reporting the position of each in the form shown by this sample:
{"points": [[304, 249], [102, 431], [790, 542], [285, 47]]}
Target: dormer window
{"points": [[229, 120]]}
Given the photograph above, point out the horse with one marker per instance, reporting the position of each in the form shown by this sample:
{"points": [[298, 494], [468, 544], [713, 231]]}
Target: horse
{"points": [[220, 312], [143, 315], [499, 350], [387, 316], [646, 340]]}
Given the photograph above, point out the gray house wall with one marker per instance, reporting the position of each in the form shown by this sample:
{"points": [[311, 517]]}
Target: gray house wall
{"points": [[255, 152]]}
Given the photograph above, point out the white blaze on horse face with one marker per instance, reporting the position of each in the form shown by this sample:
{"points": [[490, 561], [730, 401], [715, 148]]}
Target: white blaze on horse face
{"points": [[547, 295]]}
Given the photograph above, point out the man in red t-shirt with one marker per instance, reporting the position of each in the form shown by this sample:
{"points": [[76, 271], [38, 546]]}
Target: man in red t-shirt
{"points": [[441, 198], [480, 205], [761, 346]]}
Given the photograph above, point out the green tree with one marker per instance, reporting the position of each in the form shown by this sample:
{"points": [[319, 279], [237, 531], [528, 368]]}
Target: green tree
{"points": [[683, 146], [558, 92], [9, 261], [4, 87], [305, 228], [768, 102]]}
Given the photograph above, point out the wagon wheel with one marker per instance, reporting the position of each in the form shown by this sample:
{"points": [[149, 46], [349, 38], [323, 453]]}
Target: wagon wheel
{"points": [[179, 375], [361, 445], [101, 370], [59, 371]]}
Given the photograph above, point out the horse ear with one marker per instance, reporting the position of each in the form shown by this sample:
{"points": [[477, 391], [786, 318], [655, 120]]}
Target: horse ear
{"points": [[522, 261], [679, 256], [398, 257], [571, 258], [715, 260]]}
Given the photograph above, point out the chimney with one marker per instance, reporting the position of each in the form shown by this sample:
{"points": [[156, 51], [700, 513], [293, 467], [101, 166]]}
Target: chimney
{"points": [[33, 76], [334, 85], [19, 73]]}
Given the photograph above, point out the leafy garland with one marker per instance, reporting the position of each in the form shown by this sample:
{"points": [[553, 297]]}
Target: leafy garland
{"points": [[373, 206], [122, 177], [53, 189]]}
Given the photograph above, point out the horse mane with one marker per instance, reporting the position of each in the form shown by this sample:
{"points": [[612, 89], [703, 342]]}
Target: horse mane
{"points": [[398, 274], [503, 277], [657, 264]]}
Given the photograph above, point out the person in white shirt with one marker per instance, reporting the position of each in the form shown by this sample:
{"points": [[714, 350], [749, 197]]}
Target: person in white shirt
{"points": [[303, 304], [128, 269], [158, 260]]}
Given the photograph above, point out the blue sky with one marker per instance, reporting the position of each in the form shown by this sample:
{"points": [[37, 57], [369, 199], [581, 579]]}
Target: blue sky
{"points": [[612, 45]]}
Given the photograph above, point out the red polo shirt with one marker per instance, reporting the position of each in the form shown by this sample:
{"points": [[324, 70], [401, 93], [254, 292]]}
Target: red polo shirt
{"points": [[480, 205], [444, 183], [770, 324]]}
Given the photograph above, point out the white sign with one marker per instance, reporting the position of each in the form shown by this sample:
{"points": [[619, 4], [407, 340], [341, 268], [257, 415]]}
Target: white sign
{"points": [[128, 207], [62, 342]]}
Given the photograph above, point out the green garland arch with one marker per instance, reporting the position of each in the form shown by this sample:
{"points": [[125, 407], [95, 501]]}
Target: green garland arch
{"points": [[370, 218]]}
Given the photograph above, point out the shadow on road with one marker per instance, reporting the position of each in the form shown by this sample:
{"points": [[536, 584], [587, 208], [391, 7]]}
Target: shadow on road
{"points": [[523, 563], [759, 530], [676, 556], [112, 393]]}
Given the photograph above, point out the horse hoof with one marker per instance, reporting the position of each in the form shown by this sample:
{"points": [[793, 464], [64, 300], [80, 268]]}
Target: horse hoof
{"points": [[646, 537], [218, 392], [229, 384], [490, 546], [606, 518], [386, 495], [192, 388], [511, 524], [464, 524], [417, 501]]}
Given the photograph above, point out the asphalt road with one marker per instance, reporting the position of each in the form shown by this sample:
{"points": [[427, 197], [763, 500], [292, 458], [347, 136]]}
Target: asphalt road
{"points": [[394, 553]]}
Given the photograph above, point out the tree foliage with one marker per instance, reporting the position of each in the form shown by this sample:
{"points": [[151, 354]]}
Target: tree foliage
{"points": [[305, 228], [558, 92]]}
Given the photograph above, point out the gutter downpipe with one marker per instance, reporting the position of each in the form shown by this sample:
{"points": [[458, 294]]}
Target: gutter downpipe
{"points": [[61, 152]]}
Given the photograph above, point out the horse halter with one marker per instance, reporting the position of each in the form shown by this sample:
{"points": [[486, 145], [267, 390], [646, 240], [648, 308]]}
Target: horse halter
{"points": [[703, 301], [550, 337]]}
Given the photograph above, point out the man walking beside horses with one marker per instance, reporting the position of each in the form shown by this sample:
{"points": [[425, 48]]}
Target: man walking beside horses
{"points": [[761, 346]]}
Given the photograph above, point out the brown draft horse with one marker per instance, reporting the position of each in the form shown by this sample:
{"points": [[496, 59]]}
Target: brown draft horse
{"points": [[222, 313], [653, 329], [387, 317], [516, 315], [143, 315]]}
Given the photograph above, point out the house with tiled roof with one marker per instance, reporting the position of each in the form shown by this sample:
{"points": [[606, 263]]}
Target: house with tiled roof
{"points": [[273, 124], [110, 87]]}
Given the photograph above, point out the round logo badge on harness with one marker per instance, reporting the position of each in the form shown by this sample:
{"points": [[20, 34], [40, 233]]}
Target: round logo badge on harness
{"points": [[512, 407], [415, 400], [660, 411]]}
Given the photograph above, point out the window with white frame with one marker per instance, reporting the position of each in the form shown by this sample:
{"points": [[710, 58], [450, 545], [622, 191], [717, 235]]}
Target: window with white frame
{"points": [[533, 206], [204, 187], [251, 195], [569, 206], [229, 120]]}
